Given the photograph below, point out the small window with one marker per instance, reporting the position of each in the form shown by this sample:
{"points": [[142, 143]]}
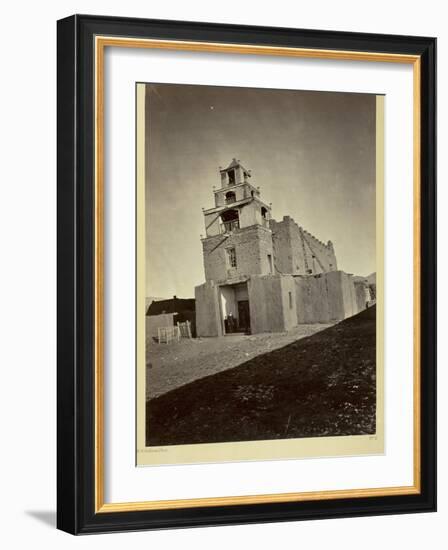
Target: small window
{"points": [[231, 177], [231, 255], [270, 263], [290, 299]]}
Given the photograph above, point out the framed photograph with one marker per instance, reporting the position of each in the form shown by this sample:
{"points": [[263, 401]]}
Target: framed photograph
{"points": [[246, 274]]}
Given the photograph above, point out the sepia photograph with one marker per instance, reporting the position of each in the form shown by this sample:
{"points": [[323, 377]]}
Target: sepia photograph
{"points": [[261, 273]]}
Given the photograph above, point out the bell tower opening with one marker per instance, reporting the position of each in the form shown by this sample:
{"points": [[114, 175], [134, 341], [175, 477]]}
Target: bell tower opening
{"points": [[235, 174], [230, 220], [264, 217], [230, 197]]}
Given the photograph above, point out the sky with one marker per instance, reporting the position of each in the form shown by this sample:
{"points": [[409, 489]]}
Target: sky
{"points": [[311, 153]]}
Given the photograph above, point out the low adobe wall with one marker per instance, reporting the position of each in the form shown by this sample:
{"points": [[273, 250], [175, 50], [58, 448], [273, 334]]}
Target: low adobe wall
{"points": [[272, 303], [280, 302], [154, 322], [361, 298], [311, 300], [208, 321], [325, 298]]}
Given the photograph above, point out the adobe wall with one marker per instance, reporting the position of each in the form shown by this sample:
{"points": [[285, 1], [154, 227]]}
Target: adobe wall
{"points": [[250, 214], [360, 291], [212, 223], [288, 293], [269, 303], [208, 319], [312, 301], [325, 258], [325, 298], [294, 248], [252, 247], [154, 322], [343, 304], [242, 191], [279, 302], [349, 295], [336, 306], [287, 260]]}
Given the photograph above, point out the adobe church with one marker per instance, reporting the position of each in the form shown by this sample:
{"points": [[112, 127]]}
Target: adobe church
{"points": [[262, 275]]}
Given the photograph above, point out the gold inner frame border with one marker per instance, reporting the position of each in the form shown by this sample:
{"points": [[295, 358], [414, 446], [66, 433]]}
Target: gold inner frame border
{"points": [[101, 42]]}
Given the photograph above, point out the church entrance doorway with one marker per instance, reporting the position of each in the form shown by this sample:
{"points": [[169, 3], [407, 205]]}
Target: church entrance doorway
{"points": [[235, 311]]}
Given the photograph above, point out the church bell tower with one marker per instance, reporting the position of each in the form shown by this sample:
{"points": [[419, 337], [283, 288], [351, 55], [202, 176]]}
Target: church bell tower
{"points": [[238, 238]]}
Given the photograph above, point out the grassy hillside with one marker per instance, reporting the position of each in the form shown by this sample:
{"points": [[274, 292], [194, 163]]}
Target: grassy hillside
{"points": [[323, 385]]}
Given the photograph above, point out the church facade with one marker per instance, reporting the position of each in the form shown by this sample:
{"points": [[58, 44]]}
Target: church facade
{"points": [[263, 275]]}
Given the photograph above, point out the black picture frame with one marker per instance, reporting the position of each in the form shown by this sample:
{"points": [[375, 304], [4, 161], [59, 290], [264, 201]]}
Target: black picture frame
{"points": [[76, 510]]}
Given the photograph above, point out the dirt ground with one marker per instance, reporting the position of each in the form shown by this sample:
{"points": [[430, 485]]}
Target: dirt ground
{"points": [[318, 386], [169, 366]]}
